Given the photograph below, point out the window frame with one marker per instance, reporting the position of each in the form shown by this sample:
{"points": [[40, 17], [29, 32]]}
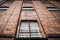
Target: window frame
{"points": [[29, 29]]}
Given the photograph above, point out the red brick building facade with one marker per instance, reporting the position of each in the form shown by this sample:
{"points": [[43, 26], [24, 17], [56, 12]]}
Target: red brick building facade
{"points": [[30, 20]]}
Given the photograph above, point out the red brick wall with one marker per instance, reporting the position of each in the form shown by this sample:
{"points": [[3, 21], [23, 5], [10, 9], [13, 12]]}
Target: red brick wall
{"points": [[6, 38]]}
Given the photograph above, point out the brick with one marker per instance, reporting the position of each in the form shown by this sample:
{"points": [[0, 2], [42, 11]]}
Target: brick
{"points": [[49, 22]]}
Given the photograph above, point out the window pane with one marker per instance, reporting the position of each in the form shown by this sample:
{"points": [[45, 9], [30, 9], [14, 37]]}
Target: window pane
{"points": [[34, 27], [33, 24], [24, 24], [24, 35], [24, 27], [36, 35]]}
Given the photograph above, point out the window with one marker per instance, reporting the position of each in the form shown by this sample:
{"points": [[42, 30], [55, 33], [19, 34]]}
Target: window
{"points": [[24, 35], [28, 9], [34, 27], [29, 29], [24, 27], [53, 8], [3, 7]]}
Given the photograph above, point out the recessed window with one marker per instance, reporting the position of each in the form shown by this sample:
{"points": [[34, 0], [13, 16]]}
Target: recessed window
{"points": [[28, 9], [3, 7], [53, 8], [29, 29]]}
